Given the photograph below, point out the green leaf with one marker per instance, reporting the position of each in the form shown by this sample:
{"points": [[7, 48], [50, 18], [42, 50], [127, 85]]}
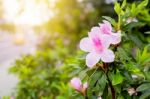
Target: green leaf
{"points": [[102, 83], [117, 78], [143, 57], [143, 87], [123, 54], [133, 9], [117, 8], [136, 40], [145, 95], [142, 4], [120, 97], [111, 20], [124, 3], [133, 25], [147, 75], [145, 54], [94, 78]]}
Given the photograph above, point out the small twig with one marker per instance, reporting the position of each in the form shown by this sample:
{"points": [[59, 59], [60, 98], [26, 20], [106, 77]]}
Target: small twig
{"points": [[86, 97], [111, 87], [105, 69]]}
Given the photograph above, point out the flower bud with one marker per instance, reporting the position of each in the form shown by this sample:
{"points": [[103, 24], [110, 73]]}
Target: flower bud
{"points": [[76, 84]]}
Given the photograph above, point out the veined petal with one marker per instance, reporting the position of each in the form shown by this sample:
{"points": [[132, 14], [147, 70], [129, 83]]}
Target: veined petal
{"points": [[107, 56], [115, 38], [91, 59], [86, 44]]}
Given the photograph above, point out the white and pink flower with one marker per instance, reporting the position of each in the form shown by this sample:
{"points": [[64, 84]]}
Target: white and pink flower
{"points": [[98, 42], [106, 29]]}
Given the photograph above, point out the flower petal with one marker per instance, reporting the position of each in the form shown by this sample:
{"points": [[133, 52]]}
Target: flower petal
{"points": [[76, 83], [107, 56], [94, 33], [108, 24], [86, 45], [106, 41], [105, 27], [91, 59], [115, 38], [96, 29]]}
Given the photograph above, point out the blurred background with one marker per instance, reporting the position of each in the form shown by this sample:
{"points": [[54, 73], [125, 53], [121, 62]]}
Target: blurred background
{"points": [[37, 36], [57, 25]]}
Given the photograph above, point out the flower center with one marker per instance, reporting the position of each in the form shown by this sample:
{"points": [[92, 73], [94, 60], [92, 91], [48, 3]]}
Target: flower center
{"points": [[98, 45]]}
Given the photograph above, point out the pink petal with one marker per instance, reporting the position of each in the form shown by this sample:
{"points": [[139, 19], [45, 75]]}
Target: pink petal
{"points": [[96, 30], [106, 41], [105, 27], [86, 45], [85, 85], [115, 38], [76, 83], [108, 24], [94, 33], [107, 56], [91, 59]]}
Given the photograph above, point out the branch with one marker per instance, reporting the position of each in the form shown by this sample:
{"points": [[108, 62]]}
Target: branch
{"points": [[111, 87]]}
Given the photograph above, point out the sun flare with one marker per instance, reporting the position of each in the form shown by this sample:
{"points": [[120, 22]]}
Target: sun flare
{"points": [[27, 12]]}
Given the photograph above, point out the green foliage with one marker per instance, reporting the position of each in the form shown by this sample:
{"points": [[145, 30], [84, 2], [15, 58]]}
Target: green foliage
{"points": [[40, 77], [143, 87], [117, 78], [117, 8]]}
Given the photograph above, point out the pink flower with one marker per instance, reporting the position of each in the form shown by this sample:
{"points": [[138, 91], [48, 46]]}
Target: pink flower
{"points": [[106, 29], [97, 46], [77, 84]]}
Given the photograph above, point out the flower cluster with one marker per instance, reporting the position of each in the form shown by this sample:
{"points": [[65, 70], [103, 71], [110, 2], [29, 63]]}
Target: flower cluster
{"points": [[97, 44], [77, 84]]}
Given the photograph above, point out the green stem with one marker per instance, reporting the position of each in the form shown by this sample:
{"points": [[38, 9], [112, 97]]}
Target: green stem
{"points": [[119, 22]]}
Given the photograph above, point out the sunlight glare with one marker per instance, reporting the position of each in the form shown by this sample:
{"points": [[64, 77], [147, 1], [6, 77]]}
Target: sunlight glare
{"points": [[26, 12]]}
